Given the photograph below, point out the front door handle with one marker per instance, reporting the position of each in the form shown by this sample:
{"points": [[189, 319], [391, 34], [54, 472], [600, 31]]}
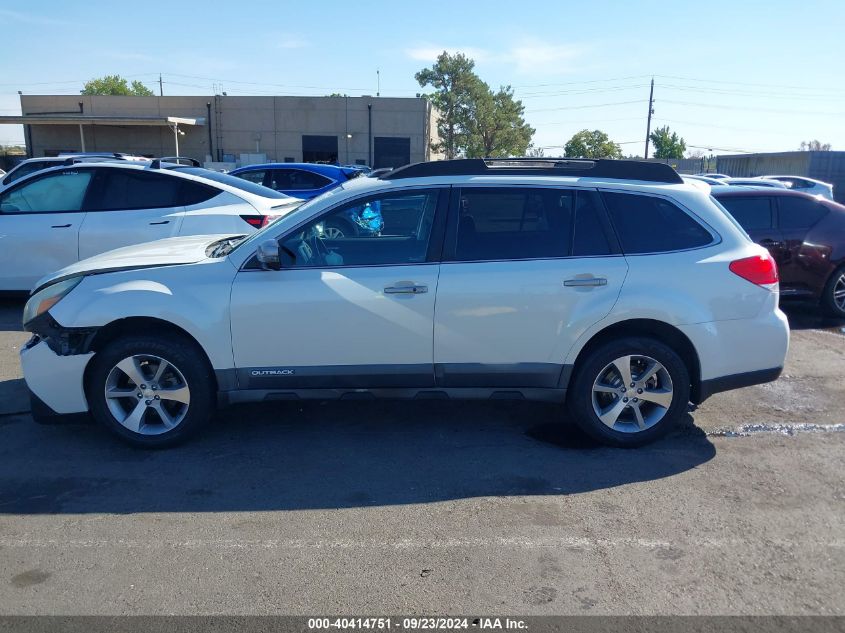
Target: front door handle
{"points": [[769, 243], [60, 226], [585, 282], [162, 222], [406, 289]]}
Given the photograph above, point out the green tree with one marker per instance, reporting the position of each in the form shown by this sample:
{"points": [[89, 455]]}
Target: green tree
{"points": [[495, 124], [667, 144], [455, 86], [115, 85], [473, 120], [595, 144]]}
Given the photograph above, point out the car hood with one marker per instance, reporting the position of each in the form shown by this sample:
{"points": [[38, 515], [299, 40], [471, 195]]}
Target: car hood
{"points": [[167, 252]]}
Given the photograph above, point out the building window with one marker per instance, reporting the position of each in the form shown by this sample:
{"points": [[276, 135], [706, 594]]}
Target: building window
{"points": [[390, 151], [319, 149]]}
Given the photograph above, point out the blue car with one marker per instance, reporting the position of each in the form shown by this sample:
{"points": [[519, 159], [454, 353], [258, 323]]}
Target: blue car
{"points": [[308, 180], [300, 180]]}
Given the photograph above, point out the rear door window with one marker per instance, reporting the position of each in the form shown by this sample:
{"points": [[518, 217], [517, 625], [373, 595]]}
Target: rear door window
{"points": [[753, 214], [590, 238], [126, 189], [649, 224], [253, 175], [514, 223], [799, 213], [298, 180]]}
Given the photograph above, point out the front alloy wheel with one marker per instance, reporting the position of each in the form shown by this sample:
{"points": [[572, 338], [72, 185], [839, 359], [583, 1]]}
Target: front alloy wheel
{"points": [[147, 394], [152, 391]]}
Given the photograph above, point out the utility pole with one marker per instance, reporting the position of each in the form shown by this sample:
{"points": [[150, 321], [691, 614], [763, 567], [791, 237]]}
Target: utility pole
{"points": [[160, 86], [650, 112]]}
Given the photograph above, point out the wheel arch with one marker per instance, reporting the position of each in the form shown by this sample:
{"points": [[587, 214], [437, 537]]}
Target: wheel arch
{"points": [[651, 328], [139, 326]]}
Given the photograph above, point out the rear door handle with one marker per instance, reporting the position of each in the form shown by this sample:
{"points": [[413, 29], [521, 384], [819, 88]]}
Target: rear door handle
{"points": [[410, 289], [60, 226], [585, 282], [768, 243], [162, 222]]}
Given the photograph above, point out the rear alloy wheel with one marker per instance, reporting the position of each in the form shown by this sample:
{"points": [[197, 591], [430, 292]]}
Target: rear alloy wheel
{"points": [[629, 392], [833, 299], [151, 391]]}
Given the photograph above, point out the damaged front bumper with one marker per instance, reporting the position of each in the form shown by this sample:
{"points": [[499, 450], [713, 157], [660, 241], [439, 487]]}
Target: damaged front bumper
{"points": [[54, 362]]}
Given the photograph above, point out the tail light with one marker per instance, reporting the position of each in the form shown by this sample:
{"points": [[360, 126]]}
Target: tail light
{"points": [[256, 221], [760, 269]]}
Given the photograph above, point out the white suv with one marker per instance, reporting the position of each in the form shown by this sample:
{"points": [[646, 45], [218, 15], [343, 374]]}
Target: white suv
{"points": [[60, 215], [610, 286]]}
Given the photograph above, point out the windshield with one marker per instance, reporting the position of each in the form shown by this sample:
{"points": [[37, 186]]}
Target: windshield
{"points": [[290, 219], [233, 181]]}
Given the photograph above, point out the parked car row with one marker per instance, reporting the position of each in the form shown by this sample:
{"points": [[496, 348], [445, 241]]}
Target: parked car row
{"points": [[607, 286], [59, 215], [795, 183], [805, 235]]}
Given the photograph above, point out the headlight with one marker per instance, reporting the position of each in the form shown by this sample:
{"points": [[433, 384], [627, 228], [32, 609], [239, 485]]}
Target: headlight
{"points": [[45, 299]]}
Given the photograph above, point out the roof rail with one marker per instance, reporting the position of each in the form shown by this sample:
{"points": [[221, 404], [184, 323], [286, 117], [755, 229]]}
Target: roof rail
{"points": [[594, 168]]}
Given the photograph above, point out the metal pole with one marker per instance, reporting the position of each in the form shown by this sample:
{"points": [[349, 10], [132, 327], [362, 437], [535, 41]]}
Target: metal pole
{"points": [[370, 134], [82, 137], [176, 136], [208, 125], [650, 112], [160, 86], [346, 104]]}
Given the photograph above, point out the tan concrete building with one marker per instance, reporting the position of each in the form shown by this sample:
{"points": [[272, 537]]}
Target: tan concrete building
{"points": [[377, 131]]}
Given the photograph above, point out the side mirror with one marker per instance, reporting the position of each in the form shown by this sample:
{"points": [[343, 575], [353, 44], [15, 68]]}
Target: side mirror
{"points": [[268, 255]]}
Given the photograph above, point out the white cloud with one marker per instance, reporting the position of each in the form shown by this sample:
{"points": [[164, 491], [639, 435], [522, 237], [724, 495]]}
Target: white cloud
{"points": [[541, 58], [289, 41], [528, 57], [28, 18], [430, 53]]}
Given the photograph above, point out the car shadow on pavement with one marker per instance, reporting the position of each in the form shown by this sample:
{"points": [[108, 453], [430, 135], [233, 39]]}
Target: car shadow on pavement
{"points": [[808, 316], [313, 455]]}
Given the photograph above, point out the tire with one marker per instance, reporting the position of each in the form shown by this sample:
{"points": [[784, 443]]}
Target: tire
{"points": [[833, 305], [170, 407], [591, 394]]}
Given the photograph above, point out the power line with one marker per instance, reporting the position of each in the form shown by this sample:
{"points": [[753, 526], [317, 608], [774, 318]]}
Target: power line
{"points": [[725, 107], [582, 107], [740, 83], [723, 127]]}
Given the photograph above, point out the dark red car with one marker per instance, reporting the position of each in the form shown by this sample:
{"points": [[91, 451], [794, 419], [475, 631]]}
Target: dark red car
{"points": [[805, 234]]}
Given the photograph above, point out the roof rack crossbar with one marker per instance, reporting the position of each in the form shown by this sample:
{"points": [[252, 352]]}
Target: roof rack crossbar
{"points": [[593, 168]]}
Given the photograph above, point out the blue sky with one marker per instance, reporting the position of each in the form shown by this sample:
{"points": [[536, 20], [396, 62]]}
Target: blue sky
{"points": [[731, 76]]}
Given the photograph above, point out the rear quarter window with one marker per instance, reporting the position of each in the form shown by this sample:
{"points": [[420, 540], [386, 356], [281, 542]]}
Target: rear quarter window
{"points": [[648, 224]]}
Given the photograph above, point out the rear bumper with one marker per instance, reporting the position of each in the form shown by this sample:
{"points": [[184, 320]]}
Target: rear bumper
{"points": [[740, 352], [57, 381], [736, 381]]}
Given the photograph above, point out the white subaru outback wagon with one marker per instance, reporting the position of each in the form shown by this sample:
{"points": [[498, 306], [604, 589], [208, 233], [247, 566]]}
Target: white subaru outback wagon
{"points": [[610, 287]]}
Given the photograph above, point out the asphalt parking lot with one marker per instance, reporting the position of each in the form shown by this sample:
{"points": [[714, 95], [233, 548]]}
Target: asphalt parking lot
{"points": [[433, 507]]}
